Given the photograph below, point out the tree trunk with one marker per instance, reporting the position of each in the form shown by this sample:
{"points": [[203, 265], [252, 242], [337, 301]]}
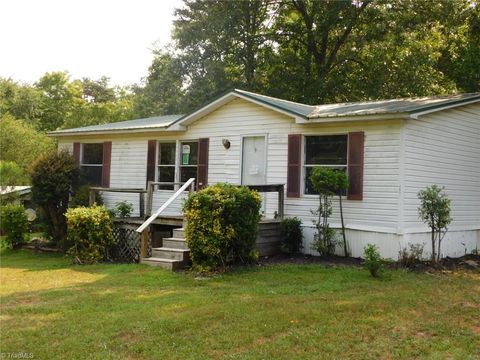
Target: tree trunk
{"points": [[433, 243], [343, 228]]}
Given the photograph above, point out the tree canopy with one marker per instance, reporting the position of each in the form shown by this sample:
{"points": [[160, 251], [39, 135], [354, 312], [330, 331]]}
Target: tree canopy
{"points": [[307, 51], [317, 51]]}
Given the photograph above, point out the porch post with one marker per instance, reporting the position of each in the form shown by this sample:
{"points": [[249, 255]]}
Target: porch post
{"points": [[148, 211], [281, 202], [144, 243], [91, 197]]}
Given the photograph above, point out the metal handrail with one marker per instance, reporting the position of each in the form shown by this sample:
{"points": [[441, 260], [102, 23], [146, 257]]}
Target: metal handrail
{"points": [[147, 222]]}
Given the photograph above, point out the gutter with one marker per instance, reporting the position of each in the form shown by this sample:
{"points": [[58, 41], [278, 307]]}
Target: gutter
{"points": [[113, 131]]}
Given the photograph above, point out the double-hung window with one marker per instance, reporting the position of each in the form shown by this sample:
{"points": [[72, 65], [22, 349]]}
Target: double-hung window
{"points": [[92, 163], [325, 151], [188, 160], [166, 164], [176, 168]]}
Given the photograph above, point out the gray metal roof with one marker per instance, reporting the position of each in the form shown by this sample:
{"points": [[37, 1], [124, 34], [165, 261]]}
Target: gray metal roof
{"points": [[412, 105], [160, 122], [378, 107], [288, 106]]}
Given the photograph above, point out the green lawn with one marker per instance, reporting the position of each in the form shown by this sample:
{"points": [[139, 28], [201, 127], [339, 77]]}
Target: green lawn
{"points": [[52, 309]]}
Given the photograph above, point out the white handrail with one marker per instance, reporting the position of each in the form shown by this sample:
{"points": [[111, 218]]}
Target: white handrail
{"points": [[165, 205]]}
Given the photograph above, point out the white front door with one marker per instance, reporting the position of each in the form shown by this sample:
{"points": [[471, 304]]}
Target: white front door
{"points": [[253, 161]]}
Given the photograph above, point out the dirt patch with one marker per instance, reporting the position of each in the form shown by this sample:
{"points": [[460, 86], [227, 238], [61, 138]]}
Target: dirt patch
{"points": [[128, 337]]}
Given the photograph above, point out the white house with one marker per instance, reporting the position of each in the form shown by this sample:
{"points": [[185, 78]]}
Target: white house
{"points": [[390, 149]]}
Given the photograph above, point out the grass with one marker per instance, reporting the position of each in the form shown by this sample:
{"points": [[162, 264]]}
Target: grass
{"points": [[53, 309]]}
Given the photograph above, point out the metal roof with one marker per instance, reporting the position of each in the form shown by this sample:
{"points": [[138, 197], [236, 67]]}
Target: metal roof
{"points": [[160, 122], [410, 106], [288, 106]]}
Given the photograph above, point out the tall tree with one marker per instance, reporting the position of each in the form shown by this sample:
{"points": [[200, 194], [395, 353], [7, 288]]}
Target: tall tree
{"points": [[60, 98]]}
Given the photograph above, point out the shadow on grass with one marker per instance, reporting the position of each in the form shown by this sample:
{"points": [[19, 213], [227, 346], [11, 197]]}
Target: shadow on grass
{"points": [[135, 311]]}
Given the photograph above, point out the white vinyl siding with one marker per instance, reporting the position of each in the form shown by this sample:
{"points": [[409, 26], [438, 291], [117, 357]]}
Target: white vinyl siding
{"points": [[443, 148], [378, 209]]}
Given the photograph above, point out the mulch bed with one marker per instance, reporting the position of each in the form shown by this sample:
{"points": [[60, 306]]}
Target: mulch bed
{"points": [[468, 262], [302, 259]]}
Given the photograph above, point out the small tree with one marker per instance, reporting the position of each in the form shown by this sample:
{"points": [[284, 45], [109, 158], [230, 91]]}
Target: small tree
{"points": [[54, 177], [434, 210], [328, 182]]}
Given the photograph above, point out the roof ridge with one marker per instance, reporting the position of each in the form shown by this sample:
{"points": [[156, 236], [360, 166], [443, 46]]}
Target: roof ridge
{"points": [[273, 98]]}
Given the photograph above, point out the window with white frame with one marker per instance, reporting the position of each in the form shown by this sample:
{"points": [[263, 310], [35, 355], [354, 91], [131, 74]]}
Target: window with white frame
{"points": [[92, 163], [326, 151], [173, 168]]}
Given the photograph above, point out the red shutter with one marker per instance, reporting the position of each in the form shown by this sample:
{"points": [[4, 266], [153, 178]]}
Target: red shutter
{"points": [[151, 158], [355, 165], [294, 165], [107, 159], [202, 169], [76, 152]]}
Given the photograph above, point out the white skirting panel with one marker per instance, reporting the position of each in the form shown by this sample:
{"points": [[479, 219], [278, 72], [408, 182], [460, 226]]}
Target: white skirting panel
{"points": [[455, 243]]}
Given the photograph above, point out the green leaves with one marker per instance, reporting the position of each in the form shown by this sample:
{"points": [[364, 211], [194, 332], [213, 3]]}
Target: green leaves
{"points": [[328, 180], [373, 262], [15, 224], [90, 231], [434, 209], [54, 176], [222, 224]]}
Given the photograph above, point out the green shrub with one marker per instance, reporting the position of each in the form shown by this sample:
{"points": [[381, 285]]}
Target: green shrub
{"points": [[54, 177], [373, 262], [15, 224], [291, 234], [411, 256], [222, 225], [81, 197], [90, 230], [123, 209]]}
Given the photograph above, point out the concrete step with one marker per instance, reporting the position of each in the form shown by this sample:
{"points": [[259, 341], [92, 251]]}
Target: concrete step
{"points": [[171, 253], [168, 264], [179, 233], [175, 243]]}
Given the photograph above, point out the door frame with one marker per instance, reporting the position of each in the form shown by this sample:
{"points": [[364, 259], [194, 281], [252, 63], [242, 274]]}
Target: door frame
{"points": [[242, 137]]}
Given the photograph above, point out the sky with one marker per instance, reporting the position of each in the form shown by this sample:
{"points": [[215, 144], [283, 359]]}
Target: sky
{"points": [[87, 38]]}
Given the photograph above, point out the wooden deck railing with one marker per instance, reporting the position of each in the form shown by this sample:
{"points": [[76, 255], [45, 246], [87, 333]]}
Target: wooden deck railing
{"points": [[141, 194], [143, 229], [278, 188], [190, 185]]}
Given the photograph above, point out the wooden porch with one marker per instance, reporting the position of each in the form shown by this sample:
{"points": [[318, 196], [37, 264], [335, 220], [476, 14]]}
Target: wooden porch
{"points": [[160, 239]]}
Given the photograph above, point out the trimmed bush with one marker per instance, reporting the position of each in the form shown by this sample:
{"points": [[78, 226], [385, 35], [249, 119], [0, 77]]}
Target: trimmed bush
{"points": [[15, 224], [292, 236], [90, 230], [222, 226], [54, 178]]}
